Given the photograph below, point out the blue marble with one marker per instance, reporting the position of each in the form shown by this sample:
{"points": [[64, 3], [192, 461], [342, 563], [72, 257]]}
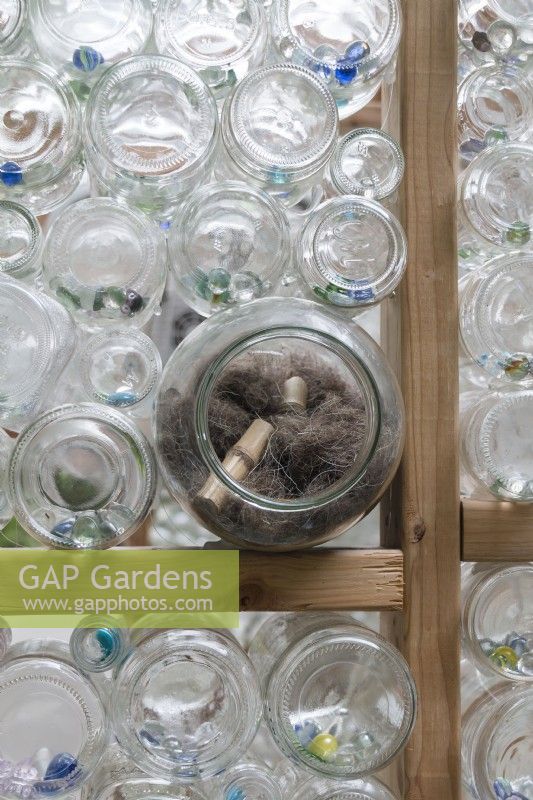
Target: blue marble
{"points": [[64, 528], [106, 640], [61, 767], [122, 399], [502, 789], [11, 173], [357, 51], [87, 59], [345, 71], [362, 293], [306, 732], [234, 793]]}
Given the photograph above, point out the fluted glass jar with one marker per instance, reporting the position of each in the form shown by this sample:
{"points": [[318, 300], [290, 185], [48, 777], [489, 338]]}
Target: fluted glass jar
{"points": [[496, 198], [21, 241], [230, 244], [37, 337], [13, 28], [279, 129], [348, 45], [498, 620], [222, 40], [54, 727], [81, 476], [363, 789], [339, 699], [368, 163], [81, 40], [6, 445], [496, 320], [351, 253], [151, 133], [186, 703], [496, 443], [40, 136], [278, 425], [497, 745]]}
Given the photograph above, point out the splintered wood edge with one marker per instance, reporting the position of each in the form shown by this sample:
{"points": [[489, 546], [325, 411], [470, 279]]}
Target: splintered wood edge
{"points": [[497, 531], [335, 580]]}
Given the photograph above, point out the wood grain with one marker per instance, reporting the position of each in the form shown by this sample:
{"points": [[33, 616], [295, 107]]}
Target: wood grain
{"points": [[322, 579], [497, 531]]}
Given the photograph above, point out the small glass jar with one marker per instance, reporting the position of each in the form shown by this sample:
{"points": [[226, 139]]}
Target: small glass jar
{"points": [[230, 244], [21, 241], [339, 699], [37, 337], [497, 745], [496, 318], [6, 446], [106, 263], [351, 253], [496, 443], [186, 703], [253, 405], [40, 136], [13, 24], [81, 476], [279, 128], [498, 621], [495, 105], [348, 45], [248, 780], [222, 40], [82, 39], [323, 789], [97, 645], [367, 162], [151, 133], [54, 729], [495, 196]]}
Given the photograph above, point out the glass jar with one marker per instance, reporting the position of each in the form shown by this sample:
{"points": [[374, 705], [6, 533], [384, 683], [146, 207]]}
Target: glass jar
{"points": [[81, 476], [6, 446], [348, 45], [40, 136], [13, 24], [367, 162], [148, 789], [256, 401], [230, 244], [497, 29], [495, 196], [81, 40], [222, 40], [323, 789], [279, 128], [5, 638], [186, 703], [151, 133], [495, 104], [498, 745], [351, 253], [106, 263], [248, 780], [21, 241], [97, 645], [54, 729], [498, 620], [496, 318], [496, 443], [37, 337], [339, 699]]}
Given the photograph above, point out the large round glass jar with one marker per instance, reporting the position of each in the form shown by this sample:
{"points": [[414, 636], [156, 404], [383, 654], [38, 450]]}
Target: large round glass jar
{"points": [[230, 244], [496, 443], [151, 132], [37, 337], [81, 476], [278, 425], [40, 136], [498, 620], [347, 44], [13, 24], [82, 40], [495, 317], [495, 197], [54, 729], [222, 40], [6, 445], [279, 128], [21, 241], [339, 699], [498, 745], [323, 789], [106, 263], [186, 703]]}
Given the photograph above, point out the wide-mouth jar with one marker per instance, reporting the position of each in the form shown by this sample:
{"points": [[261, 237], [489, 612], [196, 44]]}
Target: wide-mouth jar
{"points": [[186, 703], [339, 699], [81, 476], [21, 241], [278, 425], [363, 789], [40, 136], [347, 44], [54, 728], [222, 40], [151, 132]]}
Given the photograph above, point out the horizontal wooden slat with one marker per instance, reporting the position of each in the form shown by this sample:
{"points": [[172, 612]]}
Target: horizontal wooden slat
{"points": [[322, 579], [494, 531]]}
